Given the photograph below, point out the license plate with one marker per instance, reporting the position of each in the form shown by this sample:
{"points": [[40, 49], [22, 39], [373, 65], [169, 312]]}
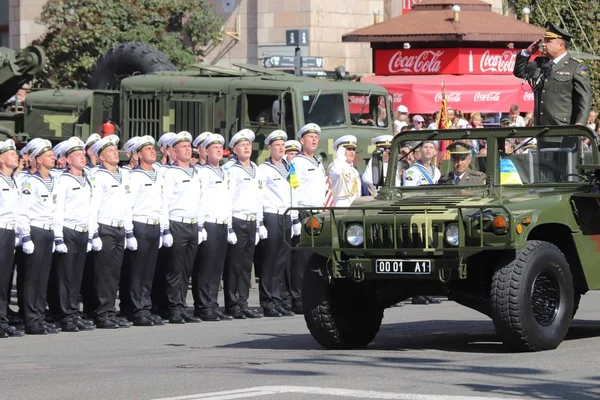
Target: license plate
{"points": [[403, 267]]}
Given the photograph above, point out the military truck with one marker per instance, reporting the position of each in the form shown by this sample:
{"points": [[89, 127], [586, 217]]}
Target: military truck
{"points": [[137, 88], [521, 248]]}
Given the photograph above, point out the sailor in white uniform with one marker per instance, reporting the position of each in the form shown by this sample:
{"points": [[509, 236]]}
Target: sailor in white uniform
{"points": [[292, 148], [197, 144], [344, 179], [422, 171]]}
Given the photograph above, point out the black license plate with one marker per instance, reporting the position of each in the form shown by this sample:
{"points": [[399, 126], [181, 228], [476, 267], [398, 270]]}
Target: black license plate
{"points": [[403, 267]]}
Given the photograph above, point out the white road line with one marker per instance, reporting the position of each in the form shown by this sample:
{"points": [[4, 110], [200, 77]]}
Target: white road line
{"points": [[364, 394]]}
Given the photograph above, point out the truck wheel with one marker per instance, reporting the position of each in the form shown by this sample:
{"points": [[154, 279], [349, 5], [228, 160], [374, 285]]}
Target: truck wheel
{"points": [[339, 315], [126, 60], [532, 298]]}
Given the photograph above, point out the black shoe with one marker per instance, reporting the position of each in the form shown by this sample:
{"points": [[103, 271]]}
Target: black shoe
{"points": [[51, 330], [419, 300], [273, 313], [176, 318], [298, 309], [106, 323], [236, 314], [142, 321], [123, 323], [11, 331], [190, 318], [83, 320], [432, 300], [210, 317], [49, 325], [158, 321], [223, 317], [251, 313], [284, 312], [82, 326], [68, 326], [3, 334], [38, 329]]}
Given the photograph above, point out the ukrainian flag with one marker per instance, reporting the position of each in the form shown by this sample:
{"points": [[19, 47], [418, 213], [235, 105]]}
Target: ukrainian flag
{"points": [[292, 178], [508, 173]]}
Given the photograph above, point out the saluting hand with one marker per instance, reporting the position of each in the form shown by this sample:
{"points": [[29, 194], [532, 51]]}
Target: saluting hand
{"points": [[533, 47]]}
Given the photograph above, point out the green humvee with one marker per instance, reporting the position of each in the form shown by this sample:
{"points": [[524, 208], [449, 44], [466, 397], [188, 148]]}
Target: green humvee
{"points": [[521, 249], [208, 98]]}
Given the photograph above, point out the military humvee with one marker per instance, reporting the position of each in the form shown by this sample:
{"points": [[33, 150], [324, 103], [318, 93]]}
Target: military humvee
{"points": [[521, 249], [136, 88]]}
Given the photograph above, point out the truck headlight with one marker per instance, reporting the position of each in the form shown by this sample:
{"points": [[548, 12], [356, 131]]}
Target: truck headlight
{"points": [[355, 235], [451, 234]]}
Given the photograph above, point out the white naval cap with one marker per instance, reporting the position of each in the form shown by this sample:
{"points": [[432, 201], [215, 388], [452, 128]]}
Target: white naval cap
{"points": [[215, 138], [58, 150], [201, 138], [183, 136], [383, 140], [345, 141], [293, 145], [7, 146], [29, 146], [131, 145], [94, 137], [165, 138], [309, 128], [144, 141], [243, 135], [71, 145], [40, 148], [113, 138], [100, 145], [276, 135]]}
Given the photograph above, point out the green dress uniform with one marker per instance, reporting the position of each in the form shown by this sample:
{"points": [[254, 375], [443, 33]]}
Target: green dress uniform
{"points": [[469, 177], [562, 91]]}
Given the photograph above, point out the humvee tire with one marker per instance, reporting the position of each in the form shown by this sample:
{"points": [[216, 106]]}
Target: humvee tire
{"points": [[126, 60], [532, 298], [340, 315]]}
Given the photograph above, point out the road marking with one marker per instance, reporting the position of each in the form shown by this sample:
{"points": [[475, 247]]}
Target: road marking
{"points": [[364, 394]]}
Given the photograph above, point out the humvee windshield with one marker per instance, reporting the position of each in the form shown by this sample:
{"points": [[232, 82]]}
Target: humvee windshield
{"points": [[521, 160], [324, 109]]}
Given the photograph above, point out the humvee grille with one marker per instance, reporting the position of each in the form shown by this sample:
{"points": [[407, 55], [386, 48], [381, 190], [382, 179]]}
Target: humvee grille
{"points": [[406, 235]]}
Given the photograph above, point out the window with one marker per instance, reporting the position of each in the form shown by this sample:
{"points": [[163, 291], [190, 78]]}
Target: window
{"points": [[261, 108], [324, 109], [368, 112]]}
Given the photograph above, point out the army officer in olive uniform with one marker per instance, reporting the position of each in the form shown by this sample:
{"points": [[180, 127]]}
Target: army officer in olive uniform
{"points": [[561, 83], [461, 174]]}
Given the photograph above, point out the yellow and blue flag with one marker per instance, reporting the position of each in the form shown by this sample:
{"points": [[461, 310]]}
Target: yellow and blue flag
{"points": [[508, 173], [292, 178]]}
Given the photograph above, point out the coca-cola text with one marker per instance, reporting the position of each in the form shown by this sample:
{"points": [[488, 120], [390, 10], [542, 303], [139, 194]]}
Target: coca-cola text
{"points": [[504, 62], [451, 97], [426, 62], [487, 97]]}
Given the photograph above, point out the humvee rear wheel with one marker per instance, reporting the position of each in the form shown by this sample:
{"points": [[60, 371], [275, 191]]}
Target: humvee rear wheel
{"points": [[532, 298], [339, 315]]}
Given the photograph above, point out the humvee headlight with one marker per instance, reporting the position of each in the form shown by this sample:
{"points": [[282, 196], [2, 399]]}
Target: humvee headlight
{"points": [[451, 234], [355, 235]]}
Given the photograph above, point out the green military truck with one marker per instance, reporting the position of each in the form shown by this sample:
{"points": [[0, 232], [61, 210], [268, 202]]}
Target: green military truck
{"points": [[137, 88], [521, 248]]}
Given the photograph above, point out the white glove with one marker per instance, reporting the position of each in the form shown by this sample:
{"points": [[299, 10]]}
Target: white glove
{"points": [[231, 236], [28, 246], [96, 244], [167, 239], [257, 238], [89, 245], [17, 241], [160, 240], [131, 243], [262, 231], [60, 246], [340, 154], [202, 235], [296, 228], [53, 247]]}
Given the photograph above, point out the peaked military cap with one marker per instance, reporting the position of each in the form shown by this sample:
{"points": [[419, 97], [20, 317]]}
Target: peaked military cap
{"points": [[214, 138], [383, 140], [201, 138], [348, 141], [183, 136], [553, 31], [241, 136], [40, 148], [165, 138], [276, 135], [71, 145], [309, 128], [94, 137], [7, 146], [459, 149], [293, 145]]}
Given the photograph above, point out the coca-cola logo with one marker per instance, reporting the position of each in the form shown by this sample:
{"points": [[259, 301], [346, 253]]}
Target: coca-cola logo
{"points": [[357, 99], [426, 62], [504, 62], [395, 98], [452, 97], [528, 96], [487, 97]]}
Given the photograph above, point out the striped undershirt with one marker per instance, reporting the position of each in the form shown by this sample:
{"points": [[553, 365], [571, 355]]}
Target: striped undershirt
{"points": [[250, 171], [80, 179], [152, 174], [48, 183], [282, 169]]}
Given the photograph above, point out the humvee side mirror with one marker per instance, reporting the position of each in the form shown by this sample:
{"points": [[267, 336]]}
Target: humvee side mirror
{"points": [[377, 167]]}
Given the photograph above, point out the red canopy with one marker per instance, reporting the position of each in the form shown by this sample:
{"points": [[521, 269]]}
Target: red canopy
{"points": [[468, 93]]}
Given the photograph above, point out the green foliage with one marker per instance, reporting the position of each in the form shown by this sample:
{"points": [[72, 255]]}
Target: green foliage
{"points": [[79, 31], [574, 13]]}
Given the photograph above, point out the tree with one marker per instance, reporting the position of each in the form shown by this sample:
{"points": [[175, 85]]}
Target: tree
{"points": [[79, 31], [581, 18]]}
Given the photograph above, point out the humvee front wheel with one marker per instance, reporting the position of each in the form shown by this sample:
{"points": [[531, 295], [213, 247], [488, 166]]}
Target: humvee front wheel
{"points": [[339, 315], [532, 297]]}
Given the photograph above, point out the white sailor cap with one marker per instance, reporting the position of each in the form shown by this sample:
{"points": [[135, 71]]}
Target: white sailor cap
{"points": [[40, 148], [144, 141], [243, 135], [309, 128], [165, 138], [215, 138], [7, 146], [71, 145], [58, 149], [383, 140], [101, 145], [131, 145], [183, 136], [94, 137], [345, 141], [201, 138], [113, 138], [293, 145], [276, 135], [29, 146]]}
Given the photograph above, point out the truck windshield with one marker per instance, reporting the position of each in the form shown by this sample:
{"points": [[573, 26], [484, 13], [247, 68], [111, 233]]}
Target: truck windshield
{"points": [[328, 109], [368, 110]]}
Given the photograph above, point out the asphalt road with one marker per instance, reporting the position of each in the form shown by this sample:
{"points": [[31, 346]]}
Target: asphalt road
{"points": [[435, 352]]}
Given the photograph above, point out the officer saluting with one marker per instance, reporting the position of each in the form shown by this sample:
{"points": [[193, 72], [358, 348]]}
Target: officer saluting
{"points": [[561, 83], [36, 227], [344, 179], [9, 203], [461, 174]]}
